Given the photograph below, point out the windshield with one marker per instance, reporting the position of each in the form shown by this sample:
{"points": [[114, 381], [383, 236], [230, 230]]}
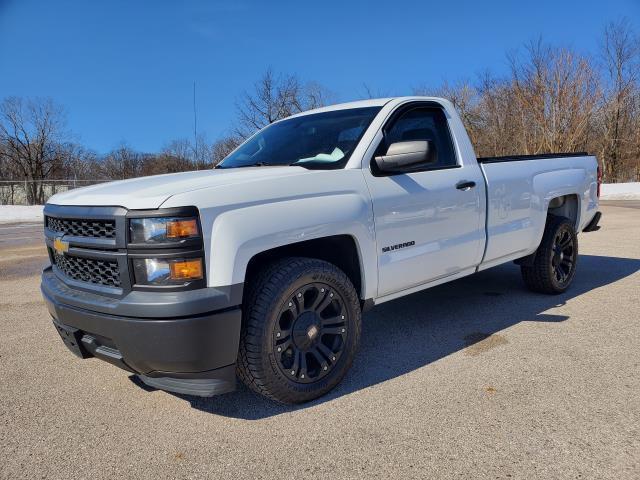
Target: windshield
{"points": [[320, 140]]}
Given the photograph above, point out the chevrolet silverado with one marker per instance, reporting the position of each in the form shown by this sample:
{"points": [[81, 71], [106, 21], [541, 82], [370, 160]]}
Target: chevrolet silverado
{"points": [[261, 268]]}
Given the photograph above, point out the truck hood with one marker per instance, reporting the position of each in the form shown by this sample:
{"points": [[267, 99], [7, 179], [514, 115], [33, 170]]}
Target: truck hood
{"points": [[152, 192]]}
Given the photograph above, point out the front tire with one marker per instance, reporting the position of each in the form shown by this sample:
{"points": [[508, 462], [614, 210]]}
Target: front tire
{"points": [[301, 330], [554, 264]]}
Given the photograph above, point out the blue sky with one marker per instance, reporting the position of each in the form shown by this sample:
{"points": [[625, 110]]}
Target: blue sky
{"points": [[124, 70]]}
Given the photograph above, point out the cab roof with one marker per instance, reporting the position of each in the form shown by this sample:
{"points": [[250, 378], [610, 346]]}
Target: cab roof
{"points": [[372, 102]]}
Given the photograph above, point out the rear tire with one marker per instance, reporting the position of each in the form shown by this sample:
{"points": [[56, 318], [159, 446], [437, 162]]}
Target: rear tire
{"points": [[554, 264], [300, 330]]}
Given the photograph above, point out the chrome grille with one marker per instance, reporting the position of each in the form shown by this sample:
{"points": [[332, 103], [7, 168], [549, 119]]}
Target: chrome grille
{"points": [[101, 272], [83, 228]]}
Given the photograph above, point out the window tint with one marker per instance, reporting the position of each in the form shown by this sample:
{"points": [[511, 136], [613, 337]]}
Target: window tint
{"points": [[424, 124]]}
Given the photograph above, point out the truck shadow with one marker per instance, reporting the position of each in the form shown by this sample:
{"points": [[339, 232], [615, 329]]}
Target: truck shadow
{"points": [[414, 331]]}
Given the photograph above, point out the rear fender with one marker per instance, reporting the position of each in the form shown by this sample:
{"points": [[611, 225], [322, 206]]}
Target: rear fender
{"points": [[554, 184]]}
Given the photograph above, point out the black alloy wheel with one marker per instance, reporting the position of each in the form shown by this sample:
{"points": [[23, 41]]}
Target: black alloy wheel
{"points": [[311, 333], [564, 256], [300, 329], [554, 263]]}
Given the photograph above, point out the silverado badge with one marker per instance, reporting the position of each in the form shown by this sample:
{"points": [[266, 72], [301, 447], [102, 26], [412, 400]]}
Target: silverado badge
{"points": [[60, 246]]}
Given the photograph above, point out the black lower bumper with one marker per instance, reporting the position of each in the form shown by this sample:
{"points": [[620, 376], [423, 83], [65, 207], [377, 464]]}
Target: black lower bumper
{"points": [[192, 354]]}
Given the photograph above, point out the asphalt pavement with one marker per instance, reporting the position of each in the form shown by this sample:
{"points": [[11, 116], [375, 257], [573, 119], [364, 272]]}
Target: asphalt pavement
{"points": [[478, 378], [13, 234]]}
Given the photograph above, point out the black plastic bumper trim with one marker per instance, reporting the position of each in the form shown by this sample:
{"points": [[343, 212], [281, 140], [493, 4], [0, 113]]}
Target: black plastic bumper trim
{"points": [[219, 381], [593, 224], [181, 347]]}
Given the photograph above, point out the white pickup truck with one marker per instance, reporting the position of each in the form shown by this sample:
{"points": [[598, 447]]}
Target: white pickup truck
{"points": [[262, 267]]}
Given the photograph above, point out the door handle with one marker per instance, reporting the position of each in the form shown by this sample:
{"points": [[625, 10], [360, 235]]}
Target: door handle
{"points": [[465, 185]]}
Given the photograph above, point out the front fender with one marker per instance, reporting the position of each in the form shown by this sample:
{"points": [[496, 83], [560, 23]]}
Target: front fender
{"points": [[239, 234]]}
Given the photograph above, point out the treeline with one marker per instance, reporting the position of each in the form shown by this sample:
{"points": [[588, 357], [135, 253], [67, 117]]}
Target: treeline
{"points": [[558, 100], [36, 149], [553, 99]]}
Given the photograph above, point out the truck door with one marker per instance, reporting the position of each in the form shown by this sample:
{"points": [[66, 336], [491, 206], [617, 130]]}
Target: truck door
{"points": [[429, 222]]}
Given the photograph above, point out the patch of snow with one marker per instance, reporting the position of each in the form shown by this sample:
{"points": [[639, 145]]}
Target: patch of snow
{"points": [[620, 191], [20, 213]]}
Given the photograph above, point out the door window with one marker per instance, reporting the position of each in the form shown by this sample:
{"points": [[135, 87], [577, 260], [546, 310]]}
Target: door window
{"points": [[424, 123]]}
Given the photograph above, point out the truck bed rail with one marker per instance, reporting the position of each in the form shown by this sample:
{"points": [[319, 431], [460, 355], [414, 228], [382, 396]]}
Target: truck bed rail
{"points": [[520, 158]]}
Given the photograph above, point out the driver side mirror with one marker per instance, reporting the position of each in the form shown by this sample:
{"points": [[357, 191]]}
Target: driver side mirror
{"points": [[402, 156]]}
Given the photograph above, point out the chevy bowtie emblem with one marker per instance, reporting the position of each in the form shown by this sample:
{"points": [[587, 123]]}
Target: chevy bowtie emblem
{"points": [[60, 246]]}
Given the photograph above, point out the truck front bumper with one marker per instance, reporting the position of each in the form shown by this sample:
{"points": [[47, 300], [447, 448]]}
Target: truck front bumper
{"points": [[191, 353]]}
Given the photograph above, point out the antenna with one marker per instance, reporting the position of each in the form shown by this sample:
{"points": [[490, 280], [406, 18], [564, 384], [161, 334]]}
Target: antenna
{"points": [[195, 124]]}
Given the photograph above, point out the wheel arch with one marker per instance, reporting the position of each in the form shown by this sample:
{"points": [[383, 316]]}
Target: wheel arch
{"points": [[340, 250], [566, 206]]}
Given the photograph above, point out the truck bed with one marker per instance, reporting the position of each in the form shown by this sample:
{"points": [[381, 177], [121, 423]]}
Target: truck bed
{"points": [[519, 189]]}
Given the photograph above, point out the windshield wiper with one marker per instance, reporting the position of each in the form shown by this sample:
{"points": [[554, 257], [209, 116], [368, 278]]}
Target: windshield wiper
{"points": [[257, 164]]}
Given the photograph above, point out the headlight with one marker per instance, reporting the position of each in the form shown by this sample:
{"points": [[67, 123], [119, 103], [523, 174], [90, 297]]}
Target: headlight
{"points": [[163, 229], [170, 271]]}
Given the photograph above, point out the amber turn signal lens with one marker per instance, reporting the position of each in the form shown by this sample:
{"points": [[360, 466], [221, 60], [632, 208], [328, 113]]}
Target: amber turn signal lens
{"points": [[182, 228], [186, 270]]}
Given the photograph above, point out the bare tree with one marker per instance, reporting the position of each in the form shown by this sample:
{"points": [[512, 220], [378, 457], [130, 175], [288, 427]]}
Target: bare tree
{"points": [[368, 92], [620, 53], [273, 98], [79, 163], [223, 147], [549, 102], [32, 132], [557, 90], [202, 153], [122, 162], [182, 150], [465, 98], [172, 159], [8, 169], [500, 118], [316, 96]]}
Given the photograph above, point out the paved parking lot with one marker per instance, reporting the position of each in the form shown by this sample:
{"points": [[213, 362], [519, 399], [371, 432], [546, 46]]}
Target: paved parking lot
{"points": [[475, 379], [20, 234]]}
